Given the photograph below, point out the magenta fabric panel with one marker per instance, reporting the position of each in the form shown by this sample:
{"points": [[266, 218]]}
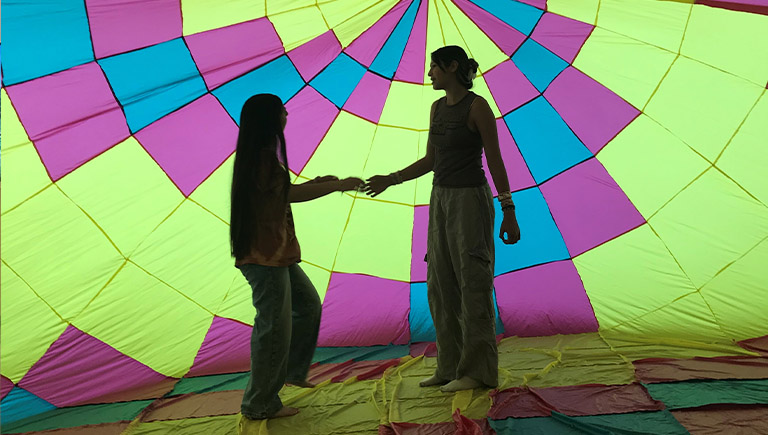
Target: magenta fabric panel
{"points": [[509, 87], [589, 207], [544, 300], [365, 48], [229, 52], [541, 4], [425, 348], [368, 98], [507, 38], [79, 369], [411, 68], [361, 310], [191, 143], [118, 26], [572, 400], [310, 115], [310, 58], [595, 113], [419, 245], [517, 171], [562, 36], [6, 385], [753, 6], [225, 349], [71, 116]]}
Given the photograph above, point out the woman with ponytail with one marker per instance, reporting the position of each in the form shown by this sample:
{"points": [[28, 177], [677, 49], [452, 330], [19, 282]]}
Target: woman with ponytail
{"points": [[264, 245], [460, 249]]}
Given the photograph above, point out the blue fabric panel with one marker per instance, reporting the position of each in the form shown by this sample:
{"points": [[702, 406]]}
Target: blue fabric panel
{"points": [[43, 37], [337, 81], [278, 77], [539, 65], [540, 239], [547, 144], [20, 403], [518, 15], [154, 81], [388, 59]]}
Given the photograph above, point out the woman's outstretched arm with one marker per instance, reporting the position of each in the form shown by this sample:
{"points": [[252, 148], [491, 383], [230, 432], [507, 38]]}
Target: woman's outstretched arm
{"points": [[313, 190]]}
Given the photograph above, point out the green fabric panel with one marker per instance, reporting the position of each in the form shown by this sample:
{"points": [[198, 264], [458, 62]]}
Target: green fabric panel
{"points": [[202, 15], [634, 423], [350, 18], [691, 394], [659, 23], [479, 46], [78, 416], [580, 10], [319, 225], [207, 384], [214, 193], [299, 26], [328, 355], [393, 149]]}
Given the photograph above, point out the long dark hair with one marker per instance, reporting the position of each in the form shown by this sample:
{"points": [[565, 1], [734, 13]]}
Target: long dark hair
{"points": [[260, 128], [467, 69]]}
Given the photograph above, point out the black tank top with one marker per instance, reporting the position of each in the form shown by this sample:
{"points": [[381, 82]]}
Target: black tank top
{"points": [[458, 150]]}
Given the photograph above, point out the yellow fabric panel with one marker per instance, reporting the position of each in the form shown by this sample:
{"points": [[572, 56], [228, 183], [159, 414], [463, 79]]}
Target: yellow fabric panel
{"points": [[174, 325], [650, 164], [451, 34], [392, 235], [344, 149], [298, 26], [701, 105], [214, 193], [319, 226], [618, 289], [477, 43], [350, 18], [27, 175], [423, 183], [626, 66], [278, 6], [434, 35], [393, 149], [320, 278], [132, 195], [29, 326], [746, 156], [222, 424], [202, 15], [743, 280], [634, 347], [237, 304], [659, 23], [606, 374], [480, 87], [189, 252], [53, 246], [688, 317], [406, 106], [736, 42], [710, 224], [332, 408], [580, 10]]}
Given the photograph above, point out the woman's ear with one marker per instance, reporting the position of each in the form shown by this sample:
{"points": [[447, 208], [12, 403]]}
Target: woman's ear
{"points": [[454, 66]]}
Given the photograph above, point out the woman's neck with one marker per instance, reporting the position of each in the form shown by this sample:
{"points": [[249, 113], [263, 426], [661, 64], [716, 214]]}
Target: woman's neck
{"points": [[454, 93]]}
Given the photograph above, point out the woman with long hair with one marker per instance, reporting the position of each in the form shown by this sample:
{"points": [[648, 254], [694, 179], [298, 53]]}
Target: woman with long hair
{"points": [[460, 249], [264, 245]]}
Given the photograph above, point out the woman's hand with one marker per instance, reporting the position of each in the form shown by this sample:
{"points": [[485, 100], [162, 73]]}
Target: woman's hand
{"points": [[510, 227], [351, 183], [377, 184]]}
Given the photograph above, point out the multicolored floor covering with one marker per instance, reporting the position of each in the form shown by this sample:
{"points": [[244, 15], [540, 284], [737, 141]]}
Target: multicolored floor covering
{"points": [[566, 384]]}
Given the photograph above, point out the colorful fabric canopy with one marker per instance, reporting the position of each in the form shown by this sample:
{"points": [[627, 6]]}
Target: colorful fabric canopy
{"points": [[634, 133]]}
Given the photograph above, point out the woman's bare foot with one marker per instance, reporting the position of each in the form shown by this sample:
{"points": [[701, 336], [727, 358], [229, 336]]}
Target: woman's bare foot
{"points": [[463, 383], [434, 380], [286, 411], [302, 384]]}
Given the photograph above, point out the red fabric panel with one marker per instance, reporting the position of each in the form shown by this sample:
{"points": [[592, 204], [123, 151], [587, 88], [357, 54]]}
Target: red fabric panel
{"points": [[427, 348], [194, 405], [573, 400], [93, 429], [753, 6], [339, 372], [651, 370], [758, 344], [724, 419]]}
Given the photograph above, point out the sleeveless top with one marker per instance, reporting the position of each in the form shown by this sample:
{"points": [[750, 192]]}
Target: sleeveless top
{"points": [[458, 150]]}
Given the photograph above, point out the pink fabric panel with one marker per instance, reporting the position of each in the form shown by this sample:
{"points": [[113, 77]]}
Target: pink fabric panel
{"points": [[517, 171], [368, 98], [310, 115], [361, 310], [310, 58], [589, 207], [753, 6], [118, 26], [411, 68], [541, 4], [6, 385], [79, 369], [365, 48], [544, 300], [595, 113], [419, 245], [562, 36], [71, 116], [509, 87], [191, 143], [226, 349], [507, 38], [224, 54]]}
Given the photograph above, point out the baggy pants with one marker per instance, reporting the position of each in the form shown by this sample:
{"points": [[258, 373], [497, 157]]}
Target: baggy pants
{"points": [[284, 334], [460, 262]]}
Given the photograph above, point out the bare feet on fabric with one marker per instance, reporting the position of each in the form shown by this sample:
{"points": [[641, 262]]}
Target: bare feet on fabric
{"points": [[286, 411], [302, 384], [431, 382], [463, 383]]}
